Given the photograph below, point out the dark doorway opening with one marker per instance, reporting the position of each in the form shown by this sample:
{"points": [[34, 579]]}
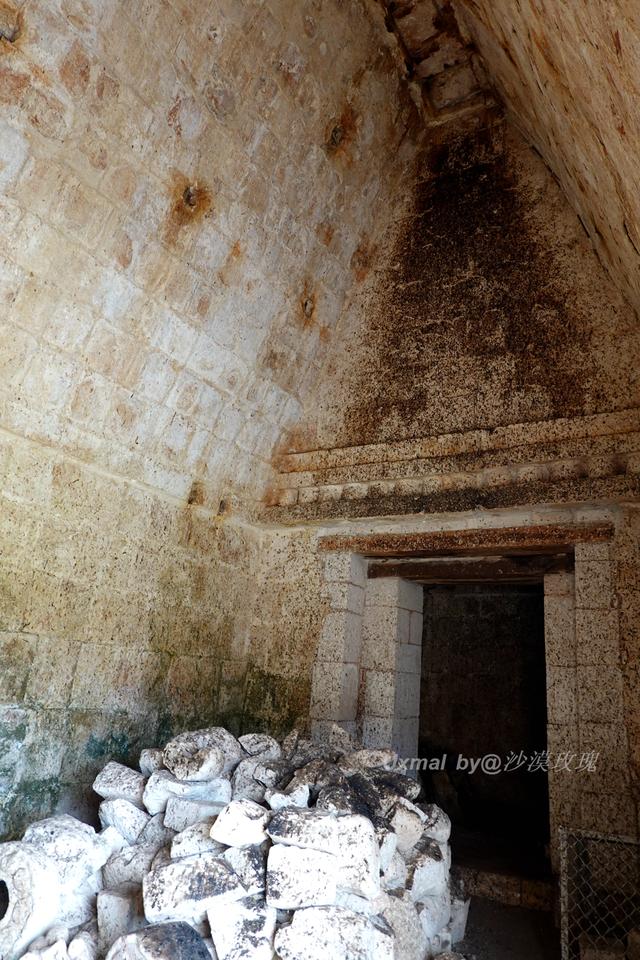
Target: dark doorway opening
{"points": [[483, 693]]}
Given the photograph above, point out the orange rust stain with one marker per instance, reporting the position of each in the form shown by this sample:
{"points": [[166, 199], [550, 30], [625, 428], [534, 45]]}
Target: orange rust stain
{"points": [[325, 334], [106, 87], [325, 232], [12, 85], [362, 259], [75, 70], [173, 117], [124, 251], [192, 202], [234, 256], [196, 496]]}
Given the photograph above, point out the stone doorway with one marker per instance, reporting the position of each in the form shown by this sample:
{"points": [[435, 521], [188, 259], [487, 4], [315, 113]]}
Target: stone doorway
{"points": [[483, 696]]}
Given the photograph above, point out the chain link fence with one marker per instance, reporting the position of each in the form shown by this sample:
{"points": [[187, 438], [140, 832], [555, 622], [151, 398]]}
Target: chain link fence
{"points": [[599, 897]]}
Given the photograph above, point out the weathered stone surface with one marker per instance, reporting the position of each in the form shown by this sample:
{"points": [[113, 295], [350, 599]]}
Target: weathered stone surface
{"points": [[437, 825], [150, 760], [250, 865], [243, 782], [202, 754], [75, 848], [427, 872], [243, 930], [407, 821], [165, 941], [120, 912], [401, 914], [162, 785], [125, 817], [242, 823], [313, 829], [117, 782], [84, 946], [321, 932], [298, 877], [182, 812], [33, 897], [185, 889], [297, 797], [434, 913], [260, 744], [194, 840]]}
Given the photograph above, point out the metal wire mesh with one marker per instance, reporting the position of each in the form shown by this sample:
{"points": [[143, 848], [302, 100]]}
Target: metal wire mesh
{"points": [[599, 897]]}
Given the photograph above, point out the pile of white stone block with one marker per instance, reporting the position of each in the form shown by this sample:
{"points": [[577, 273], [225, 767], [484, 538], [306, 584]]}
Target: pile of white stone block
{"points": [[238, 849]]}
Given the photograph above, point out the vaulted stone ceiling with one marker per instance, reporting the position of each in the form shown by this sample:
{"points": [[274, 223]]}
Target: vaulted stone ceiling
{"points": [[570, 75]]}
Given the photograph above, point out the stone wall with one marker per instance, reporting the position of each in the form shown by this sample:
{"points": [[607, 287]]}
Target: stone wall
{"points": [[488, 360], [187, 190], [570, 74]]}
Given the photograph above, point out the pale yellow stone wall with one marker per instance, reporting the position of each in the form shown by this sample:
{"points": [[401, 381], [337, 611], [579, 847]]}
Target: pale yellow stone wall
{"points": [[570, 74], [186, 190]]}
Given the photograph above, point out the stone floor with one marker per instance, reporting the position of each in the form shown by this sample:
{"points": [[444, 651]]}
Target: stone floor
{"points": [[498, 932]]}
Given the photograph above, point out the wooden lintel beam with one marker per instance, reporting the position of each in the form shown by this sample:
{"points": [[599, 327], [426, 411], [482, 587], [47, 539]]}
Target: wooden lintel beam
{"points": [[531, 569], [504, 541]]}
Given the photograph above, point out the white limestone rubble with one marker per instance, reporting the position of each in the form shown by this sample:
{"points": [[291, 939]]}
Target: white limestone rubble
{"points": [[226, 849]]}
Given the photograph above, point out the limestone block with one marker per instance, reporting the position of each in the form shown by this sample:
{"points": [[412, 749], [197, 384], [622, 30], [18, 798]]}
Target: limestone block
{"points": [[84, 945], [459, 917], [298, 877], [128, 866], [437, 825], [162, 785], [202, 754], [165, 941], [75, 847], [243, 930], [359, 856], [117, 782], [407, 821], [387, 844], [186, 889], [150, 761], [250, 865], [320, 932], [394, 876], [243, 782], [119, 912], [402, 916], [428, 872], [127, 819], [156, 834], [182, 812], [298, 797], [260, 744], [434, 913], [33, 896], [241, 823], [313, 829], [194, 840]]}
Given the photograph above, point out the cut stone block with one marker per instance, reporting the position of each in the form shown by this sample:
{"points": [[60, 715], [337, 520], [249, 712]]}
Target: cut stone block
{"points": [[434, 913], [460, 915], [428, 873], [119, 912], [402, 916], [202, 754], [299, 877], [186, 889], [318, 933], [241, 824], [260, 744], [84, 946], [243, 930], [127, 819], [437, 825], [243, 782], [250, 865], [165, 941], [359, 856], [395, 875], [75, 847], [162, 785], [150, 761], [298, 797], [117, 782], [194, 840], [312, 829], [182, 812], [32, 897], [407, 821]]}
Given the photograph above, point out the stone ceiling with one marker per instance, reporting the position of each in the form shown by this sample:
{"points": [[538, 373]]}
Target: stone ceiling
{"points": [[569, 74]]}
